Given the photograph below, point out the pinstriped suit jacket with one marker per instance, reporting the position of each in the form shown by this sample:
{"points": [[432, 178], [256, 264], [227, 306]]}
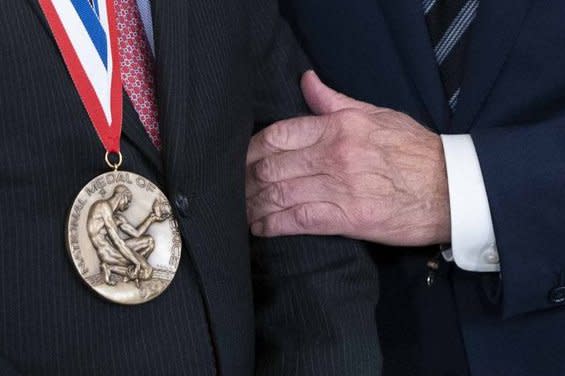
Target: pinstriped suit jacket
{"points": [[224, 69]]}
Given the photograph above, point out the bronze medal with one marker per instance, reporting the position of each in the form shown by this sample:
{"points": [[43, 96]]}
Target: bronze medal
{"points": [[123, 239], [121, 234]]}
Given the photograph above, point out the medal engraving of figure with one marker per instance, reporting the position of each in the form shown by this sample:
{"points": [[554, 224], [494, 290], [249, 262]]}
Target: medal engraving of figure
{"points": [[123, 238], [121, 234]]}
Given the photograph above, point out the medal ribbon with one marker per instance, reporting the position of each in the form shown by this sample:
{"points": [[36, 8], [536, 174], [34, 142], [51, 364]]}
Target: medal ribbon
{"points": [[88, 41]]}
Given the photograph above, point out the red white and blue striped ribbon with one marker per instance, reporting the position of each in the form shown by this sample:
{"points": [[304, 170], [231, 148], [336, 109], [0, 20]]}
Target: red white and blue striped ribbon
{"points": [[86, 35]]}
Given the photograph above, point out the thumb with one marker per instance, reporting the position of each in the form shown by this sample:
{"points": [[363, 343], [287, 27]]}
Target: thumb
{"points": [[324, 100]]}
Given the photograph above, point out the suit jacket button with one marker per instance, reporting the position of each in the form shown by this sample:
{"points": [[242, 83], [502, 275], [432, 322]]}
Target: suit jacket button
{"points": [[181, 204], [557, 295]]}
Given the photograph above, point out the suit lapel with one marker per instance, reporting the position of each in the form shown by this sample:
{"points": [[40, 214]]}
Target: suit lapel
{"points": [[494, 32], [132, 128], [173, 64], [408, 27], [34, 5], [188, 101]]}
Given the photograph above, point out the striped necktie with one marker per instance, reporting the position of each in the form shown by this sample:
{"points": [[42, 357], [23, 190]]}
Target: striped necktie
{"points": [[449, 23]]}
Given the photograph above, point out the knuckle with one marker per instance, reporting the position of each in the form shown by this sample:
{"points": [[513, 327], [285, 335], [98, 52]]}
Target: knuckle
{"points": [[276, 136], [342, 154], [253, 207], [276, 194], [381, 136], [390, 112], [264, 170], [401, 116], [351, 116], [394, 118], [305, 217], [273, 194], [273, 226]]}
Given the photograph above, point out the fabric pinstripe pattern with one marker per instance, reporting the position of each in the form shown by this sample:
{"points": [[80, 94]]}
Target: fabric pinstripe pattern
{"points": [[294, 316], [223, 69], [449, 22], [50, 324]]}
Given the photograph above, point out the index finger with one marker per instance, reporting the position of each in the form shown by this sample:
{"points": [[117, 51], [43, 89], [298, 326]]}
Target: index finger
{"points": [[286, 135]]}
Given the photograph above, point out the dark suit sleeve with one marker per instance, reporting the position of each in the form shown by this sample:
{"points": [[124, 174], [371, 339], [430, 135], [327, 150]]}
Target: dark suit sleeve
{"points": [[315, 296], [7, 369], [315, 307], [279, 64], [524, 172]]}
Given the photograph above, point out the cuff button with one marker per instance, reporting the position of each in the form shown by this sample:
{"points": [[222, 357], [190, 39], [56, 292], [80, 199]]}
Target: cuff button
{"points": [[491, 257]]}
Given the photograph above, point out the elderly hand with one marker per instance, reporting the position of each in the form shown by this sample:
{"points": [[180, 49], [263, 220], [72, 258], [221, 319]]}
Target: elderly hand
{"points": [[354, 169]]}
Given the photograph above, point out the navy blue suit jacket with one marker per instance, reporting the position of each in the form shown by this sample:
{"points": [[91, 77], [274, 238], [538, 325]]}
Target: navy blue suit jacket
{"points": [[513, 105]]}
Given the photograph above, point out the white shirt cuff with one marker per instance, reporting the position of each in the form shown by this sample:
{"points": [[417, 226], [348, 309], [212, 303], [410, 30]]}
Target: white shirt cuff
{"points": [[473, 243]]}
